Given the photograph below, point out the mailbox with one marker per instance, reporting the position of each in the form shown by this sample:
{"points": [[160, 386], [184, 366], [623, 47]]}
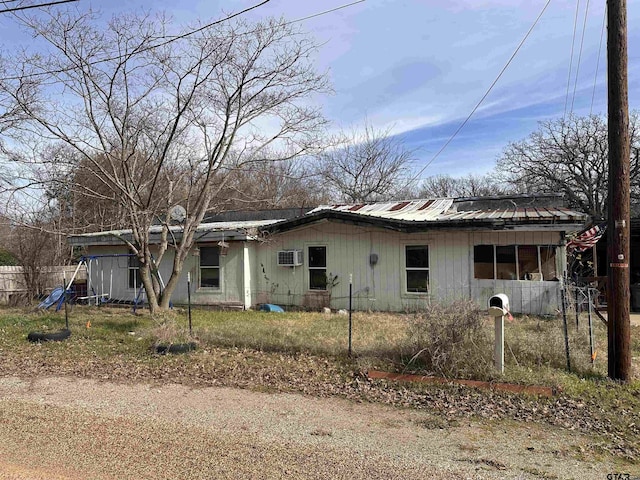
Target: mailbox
{"points": [[499, 305]]}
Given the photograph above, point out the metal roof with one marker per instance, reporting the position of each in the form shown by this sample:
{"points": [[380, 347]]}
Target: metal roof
{"points": [[444, 209], [410, 210], [440, 213], [239, 230], [533, 214], [407, 215]]}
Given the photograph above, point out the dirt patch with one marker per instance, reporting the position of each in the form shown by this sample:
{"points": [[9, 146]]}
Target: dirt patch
{"points": [[82, 428]]}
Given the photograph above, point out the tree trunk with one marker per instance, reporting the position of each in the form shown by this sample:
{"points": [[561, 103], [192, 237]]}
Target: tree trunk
{"points": [[147, 282]]}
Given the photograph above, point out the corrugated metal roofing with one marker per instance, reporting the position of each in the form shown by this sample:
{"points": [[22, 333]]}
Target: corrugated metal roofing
{"points": [[443, 210], [517, 214], [410, 210]]}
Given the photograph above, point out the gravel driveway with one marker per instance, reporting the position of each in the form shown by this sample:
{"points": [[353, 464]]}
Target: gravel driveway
{"points": [[69, 428]]}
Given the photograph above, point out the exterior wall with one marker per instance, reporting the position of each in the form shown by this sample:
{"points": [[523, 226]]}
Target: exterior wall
{"points": [[383, 285], [532, 297], [111, 275], [250, 274]]}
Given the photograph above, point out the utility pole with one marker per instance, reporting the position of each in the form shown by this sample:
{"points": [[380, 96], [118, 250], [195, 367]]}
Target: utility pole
{"points": [[619, 327]]}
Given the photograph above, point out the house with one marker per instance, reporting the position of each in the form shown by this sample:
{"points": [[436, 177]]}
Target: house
{"points": [[397, 255]]}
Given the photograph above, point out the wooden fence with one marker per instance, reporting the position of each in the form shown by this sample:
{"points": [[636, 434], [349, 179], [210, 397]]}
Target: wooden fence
{"points": [[12, 284]]}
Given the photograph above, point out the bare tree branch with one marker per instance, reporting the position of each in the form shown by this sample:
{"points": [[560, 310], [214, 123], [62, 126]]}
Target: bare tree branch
{"points": [[177, 118], [569, 156], [366, 167]]}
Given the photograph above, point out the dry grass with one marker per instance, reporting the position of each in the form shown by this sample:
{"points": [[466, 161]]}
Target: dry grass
{"points": [[455, 340], [449, 340], [306, 353], [292, 332]]}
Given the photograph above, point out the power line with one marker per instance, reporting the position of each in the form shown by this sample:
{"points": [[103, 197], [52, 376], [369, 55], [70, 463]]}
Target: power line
{"points": [[466, 120], [595, 77], [573, 42], [150, 47], [584, 27], [297, 20], [204, 27], [27, 7], [325, 12], [180, 37]]}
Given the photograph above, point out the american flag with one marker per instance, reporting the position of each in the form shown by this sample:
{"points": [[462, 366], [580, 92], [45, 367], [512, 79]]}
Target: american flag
{"points": [[587, 239]]}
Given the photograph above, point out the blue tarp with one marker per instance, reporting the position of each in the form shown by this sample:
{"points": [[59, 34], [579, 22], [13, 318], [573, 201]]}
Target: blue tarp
{"points": [[269, 307]]}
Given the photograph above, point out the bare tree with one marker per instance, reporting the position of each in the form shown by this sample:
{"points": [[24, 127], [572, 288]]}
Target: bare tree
{"points": [[273, 185], [35, 247], [155, 124], [14, 91], [569, 156], [467, 186], [367, 166]]}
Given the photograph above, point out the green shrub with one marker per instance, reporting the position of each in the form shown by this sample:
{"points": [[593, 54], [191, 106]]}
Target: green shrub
{"points": [[7, 258]]}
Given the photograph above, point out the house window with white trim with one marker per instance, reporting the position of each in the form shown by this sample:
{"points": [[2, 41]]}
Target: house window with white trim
{"points": [[417, 268], [317, 268], [133, 266], [210, 267], [548, 263]]}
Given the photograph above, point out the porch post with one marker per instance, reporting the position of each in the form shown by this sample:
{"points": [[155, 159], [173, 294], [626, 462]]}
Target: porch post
{"points": [[246, 276]]}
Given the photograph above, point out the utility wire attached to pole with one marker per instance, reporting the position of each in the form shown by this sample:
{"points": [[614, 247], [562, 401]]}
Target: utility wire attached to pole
{"points": [[486, 94], [38, 5]]}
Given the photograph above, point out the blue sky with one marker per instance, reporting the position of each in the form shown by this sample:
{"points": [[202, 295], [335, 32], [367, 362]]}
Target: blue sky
{"points": [[420, 66]]}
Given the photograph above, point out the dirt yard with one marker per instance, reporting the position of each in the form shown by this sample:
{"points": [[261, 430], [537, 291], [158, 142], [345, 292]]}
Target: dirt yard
{"points": [[69, 428]]}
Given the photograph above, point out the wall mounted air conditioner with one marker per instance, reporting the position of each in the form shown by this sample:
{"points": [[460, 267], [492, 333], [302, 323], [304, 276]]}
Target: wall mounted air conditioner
{"points": [[290, 258]]}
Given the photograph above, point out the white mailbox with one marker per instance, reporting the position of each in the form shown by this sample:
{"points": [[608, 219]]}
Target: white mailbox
{"points": [[498, 308], [499, 305]]}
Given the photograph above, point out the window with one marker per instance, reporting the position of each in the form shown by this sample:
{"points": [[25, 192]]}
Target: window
{"points": [[548, 263], [528, 267], [417, 266], [134, 272], [484, 262], [317, 268], [210, 267], [512, 262], [506, 262]]}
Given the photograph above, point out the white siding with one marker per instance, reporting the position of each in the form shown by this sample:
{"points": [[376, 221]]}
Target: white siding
{"points": [[383, 286], [376, 287], [115, 273]]}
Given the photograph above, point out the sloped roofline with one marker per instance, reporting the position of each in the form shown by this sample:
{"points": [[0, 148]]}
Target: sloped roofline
{"points": [[429, 214]]}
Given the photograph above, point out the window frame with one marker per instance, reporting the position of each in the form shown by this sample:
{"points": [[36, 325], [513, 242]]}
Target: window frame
{"points": [[518, 272], [133, 272], [312, 269], [217, 267], [493, 262], [408, 269]]}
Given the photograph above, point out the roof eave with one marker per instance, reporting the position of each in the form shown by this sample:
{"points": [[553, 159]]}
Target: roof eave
{"points": [[411, 226], [155, 238]]}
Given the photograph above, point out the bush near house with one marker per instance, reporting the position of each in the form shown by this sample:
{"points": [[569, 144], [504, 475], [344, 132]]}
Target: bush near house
{"points": [[6, 259]]}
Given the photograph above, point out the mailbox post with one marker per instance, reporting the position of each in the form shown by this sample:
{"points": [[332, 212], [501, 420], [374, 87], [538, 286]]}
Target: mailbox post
{"points": [[498, 308]]}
